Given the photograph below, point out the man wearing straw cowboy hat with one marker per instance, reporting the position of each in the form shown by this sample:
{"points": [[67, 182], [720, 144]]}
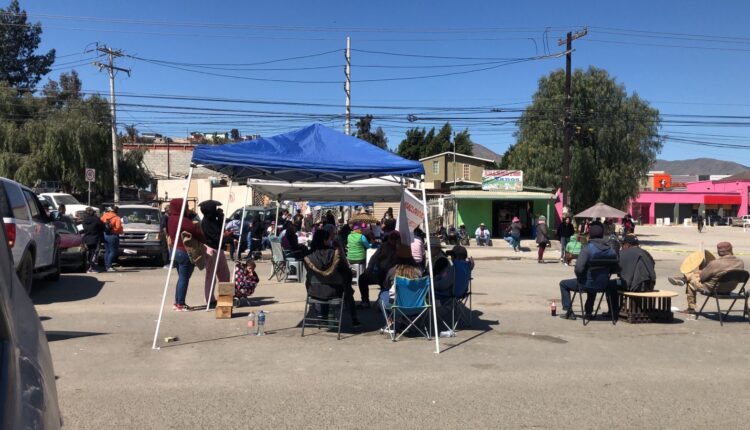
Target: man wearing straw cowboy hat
{"points": [[706, 278], [482, 235]]}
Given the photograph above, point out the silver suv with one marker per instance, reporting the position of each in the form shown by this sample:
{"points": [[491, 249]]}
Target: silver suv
{"points": [[142, 234], [30, 233]]}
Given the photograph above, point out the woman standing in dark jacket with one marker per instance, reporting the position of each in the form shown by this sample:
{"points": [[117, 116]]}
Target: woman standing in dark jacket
{"points": [[542, 237], [328, 274], [213, 219], [564, 233], [93, 235]]}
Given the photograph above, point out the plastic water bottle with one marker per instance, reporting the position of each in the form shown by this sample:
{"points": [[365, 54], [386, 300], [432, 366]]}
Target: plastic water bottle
{"points": [[261, 324], [553, 308], [250, 322]]}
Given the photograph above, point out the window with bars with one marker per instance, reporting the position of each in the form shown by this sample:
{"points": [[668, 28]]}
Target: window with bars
{"points": [[436, 167], [467, 171]]}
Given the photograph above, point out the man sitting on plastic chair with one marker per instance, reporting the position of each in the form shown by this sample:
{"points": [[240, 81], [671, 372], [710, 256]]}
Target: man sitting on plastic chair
{"points": [[453, 290], [597, 261], [409, 293]]}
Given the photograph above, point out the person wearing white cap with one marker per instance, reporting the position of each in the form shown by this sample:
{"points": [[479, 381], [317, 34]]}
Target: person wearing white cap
{"points": [[482, 235]]}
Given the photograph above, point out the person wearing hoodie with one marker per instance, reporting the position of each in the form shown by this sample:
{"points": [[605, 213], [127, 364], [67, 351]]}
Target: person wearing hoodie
{"points": [[515, 234], [597, 261], [213, 217], [93, 235], [112, 231], [328, 274], [181, 259], [542, 237]]}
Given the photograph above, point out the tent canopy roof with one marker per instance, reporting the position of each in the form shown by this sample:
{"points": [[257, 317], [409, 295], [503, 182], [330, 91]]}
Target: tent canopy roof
{"points": [[385, 189], [312, 154], [600, 210]]}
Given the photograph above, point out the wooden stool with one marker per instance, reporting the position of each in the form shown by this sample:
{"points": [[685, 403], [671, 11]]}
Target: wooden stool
{"points": [[651, 306]]}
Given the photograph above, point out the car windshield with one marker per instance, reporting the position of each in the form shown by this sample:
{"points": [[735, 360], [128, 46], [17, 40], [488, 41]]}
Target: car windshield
{"points": [[65, 226], [66, 200], [141, 215]]}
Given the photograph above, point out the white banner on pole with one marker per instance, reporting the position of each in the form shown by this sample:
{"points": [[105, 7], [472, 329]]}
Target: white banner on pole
{"points": [[410, 216]]}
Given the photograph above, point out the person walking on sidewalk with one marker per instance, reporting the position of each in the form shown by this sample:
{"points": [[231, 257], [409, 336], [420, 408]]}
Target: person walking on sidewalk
{"points": [[515, 234], [211, 226], [112, 231], [542, 237], [564, 232]]}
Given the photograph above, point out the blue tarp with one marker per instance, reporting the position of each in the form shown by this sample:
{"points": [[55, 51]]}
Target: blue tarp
{"points": [[312, 154], [335, 204]]}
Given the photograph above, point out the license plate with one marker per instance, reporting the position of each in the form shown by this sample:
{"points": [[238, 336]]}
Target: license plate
{"points": [[130, 251]]}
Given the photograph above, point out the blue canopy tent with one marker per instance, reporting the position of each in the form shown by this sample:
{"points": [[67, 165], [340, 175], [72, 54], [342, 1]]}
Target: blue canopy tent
{"points": [[312, 155]]}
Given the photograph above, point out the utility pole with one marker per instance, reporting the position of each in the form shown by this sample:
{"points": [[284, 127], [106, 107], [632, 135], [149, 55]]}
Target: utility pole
{"points": [[348, 86], [111, 68], [567, 129]]}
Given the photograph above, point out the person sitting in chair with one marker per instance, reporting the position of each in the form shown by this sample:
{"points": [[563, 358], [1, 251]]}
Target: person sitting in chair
{"points": [[482, 235], [594, 265], [445, 280], [707, 279], [637, 271]]}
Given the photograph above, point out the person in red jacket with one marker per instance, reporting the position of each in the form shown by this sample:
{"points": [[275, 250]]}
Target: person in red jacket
{"points": [[182, 261]]}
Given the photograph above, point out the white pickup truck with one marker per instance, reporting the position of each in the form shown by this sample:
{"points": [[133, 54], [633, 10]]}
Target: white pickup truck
{"points": [[73, 208]]}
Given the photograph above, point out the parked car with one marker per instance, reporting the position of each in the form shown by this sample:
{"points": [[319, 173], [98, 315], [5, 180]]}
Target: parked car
{"points": [[266, 214], [72, 249], [30, 233], [141, 233], [28, 393], [741, 221], [73, 207], [715, 220]]}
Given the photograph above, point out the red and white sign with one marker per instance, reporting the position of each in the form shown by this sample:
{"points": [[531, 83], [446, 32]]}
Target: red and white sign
{"points": [[410, 216], [90, 175]]}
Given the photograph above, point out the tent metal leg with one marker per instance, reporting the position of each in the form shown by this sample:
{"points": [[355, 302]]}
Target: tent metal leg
{"points": [[432, 275], [171, 258]]}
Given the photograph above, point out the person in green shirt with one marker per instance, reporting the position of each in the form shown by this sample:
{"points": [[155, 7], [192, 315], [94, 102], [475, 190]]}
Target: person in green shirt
{"points": [[357, 246]]}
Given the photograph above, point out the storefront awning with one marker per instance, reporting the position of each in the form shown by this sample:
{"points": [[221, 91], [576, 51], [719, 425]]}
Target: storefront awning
{"points": [[722, 200], [500, 195]]}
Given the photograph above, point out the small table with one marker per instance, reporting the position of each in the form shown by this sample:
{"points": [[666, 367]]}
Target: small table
{"points": [[651, 306]]}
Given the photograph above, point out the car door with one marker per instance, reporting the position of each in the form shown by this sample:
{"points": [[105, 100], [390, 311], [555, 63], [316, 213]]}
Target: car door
{"points": [[44, 231], [18, 214]]}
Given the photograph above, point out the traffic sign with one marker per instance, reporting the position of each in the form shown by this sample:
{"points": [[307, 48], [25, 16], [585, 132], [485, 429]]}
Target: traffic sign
{"points": [[90, 175]]}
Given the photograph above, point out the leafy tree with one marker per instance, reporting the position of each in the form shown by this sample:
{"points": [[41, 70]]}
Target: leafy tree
{"points": [[43, 141], [614, 138], [131, 133], [364, 132], [19, 66], [420, 143], [234, 134]]}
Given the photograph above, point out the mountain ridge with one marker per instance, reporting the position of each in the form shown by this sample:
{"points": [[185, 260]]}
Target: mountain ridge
{"points": [[699, 166]]}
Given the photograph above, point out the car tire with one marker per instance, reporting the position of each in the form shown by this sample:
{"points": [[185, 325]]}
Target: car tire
{"points": [[55, 276], [26, 272]]}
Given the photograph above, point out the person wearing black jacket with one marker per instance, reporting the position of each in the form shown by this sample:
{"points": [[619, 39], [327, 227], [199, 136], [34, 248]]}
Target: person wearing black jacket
{"points": [[564, 232], [93, 235], [597, 261], [211, 226], [637, 271], [328, 274]]}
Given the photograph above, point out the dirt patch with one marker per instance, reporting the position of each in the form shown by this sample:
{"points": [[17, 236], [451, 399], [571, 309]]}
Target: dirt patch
{"points": [[534, 336]]}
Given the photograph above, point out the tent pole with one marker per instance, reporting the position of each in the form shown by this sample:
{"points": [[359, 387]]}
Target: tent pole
{"points": [[276, 225], [171, 259], [432, 275], [242, 225], [219, 251]]}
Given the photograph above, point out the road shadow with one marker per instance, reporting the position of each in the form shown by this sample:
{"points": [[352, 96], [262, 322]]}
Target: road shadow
{"points": [[69, 288], [54, 336], [657, 242]]}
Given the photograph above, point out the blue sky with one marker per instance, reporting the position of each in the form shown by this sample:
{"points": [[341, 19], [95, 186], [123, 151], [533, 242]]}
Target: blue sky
{"points": [[677, 70]]}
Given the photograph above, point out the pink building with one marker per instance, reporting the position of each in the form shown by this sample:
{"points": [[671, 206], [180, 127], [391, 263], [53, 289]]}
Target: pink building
{"points": [[726, 197]]}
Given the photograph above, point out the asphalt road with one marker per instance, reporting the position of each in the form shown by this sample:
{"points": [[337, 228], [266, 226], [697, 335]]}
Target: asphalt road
{"points": [[517, 368]]}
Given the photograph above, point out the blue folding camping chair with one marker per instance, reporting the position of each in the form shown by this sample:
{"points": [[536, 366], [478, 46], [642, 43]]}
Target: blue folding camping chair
{"points": [[410, 304], [459, 302]]}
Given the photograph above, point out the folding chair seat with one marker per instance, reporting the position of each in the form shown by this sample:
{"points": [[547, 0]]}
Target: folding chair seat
{"points": [[460, 299], [600, 287], [736, 277], [278, 262], [410, 305], [293, 270], [323, 319]]}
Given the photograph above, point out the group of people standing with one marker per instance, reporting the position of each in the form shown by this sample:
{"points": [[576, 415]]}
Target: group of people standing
{"points": [[101, 230]]}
